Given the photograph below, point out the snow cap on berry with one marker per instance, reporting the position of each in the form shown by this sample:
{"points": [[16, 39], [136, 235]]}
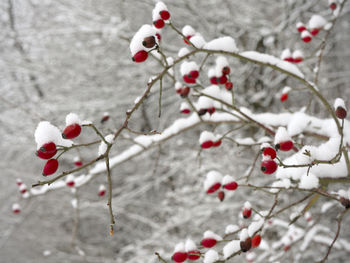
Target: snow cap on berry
{"points": [[210, 234], [180, 247], [306, 36], [185, 107], [308, 181], [206, 136], [297, 55], [160, 6], [221, 62], [213, 177], [282, 135], [339, 103], [301, 27], [16, 208], [18, 181], [317, 22], [23, 188], [101, 188], [188, 31], [227, 179], [190, 245], [286, 90], [178, 86], [187, 67], [243, 235], [45, 132], [136, 42], [72, 118], [247, 205], [286, 54]]}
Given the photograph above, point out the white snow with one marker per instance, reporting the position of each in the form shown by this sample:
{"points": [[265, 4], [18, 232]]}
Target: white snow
{"points": [[213, 177], [190, 245], [197, 40], [243, 235], [211, 234], [183, 52], [188, 31], [204, 103], [231, 248], [286, 54], [227, 179], [211, 72], [22, 187], [16, 206], [255, 226], [184, 105], [305, 33], [187, 67], [70, 178], [170, 61], [160, 6], [178, 85], [221, 62], [74, 203], [281, 135], [271, 60], [46, 132], [227, 44], [339, 103], [72, 118], [211, 256], [206, 136], [103, 147], [101, 188], [300, 24], [247, 205], [308, 181], [180, 247], [298, 54], [136, 41], [231, 229], [317, 22]]}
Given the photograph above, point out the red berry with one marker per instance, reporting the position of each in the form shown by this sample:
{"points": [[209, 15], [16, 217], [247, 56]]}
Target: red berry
{"points": [[50, 167], [226, 70], [269, 151], [211, 110], [289, 59], [193, 255], [213, 188], [221, 195], [298, 60], [256, 241], [301, 29], [165, 15], [102, 192], [340, 112], [188, 79], [149, 42], [159, 37], [47, 151], [284, 146], [222, 79], [186, 111], [229, 85], [284, 97], [70, 183], [246, 245], [333, 6], [159, 23], [179, 256], [19, 182], [207, 144], [140, 56], [71, 131], [307, 38], [208, 242], [268, 166], [78, 163], [184, 92], [217, 143], [314, 31], [213, 80], [188, 37], [231, 186], [286, 247], [105, 118], [247, 212], [16, 211], [23, 190], [194, 74]]}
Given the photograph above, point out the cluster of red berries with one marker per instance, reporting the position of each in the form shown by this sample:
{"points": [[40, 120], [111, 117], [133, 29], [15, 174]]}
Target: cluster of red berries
{"points": [[296, 57], [249, 243], [189, 72], [148, 37], [316, 23], [186, 251], [268, 165], [214, 181], [182, 91], [208, 140], [48, 150], [221, 73]]}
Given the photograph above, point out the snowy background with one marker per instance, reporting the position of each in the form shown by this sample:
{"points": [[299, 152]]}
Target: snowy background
{"points": [[62, 56]]}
